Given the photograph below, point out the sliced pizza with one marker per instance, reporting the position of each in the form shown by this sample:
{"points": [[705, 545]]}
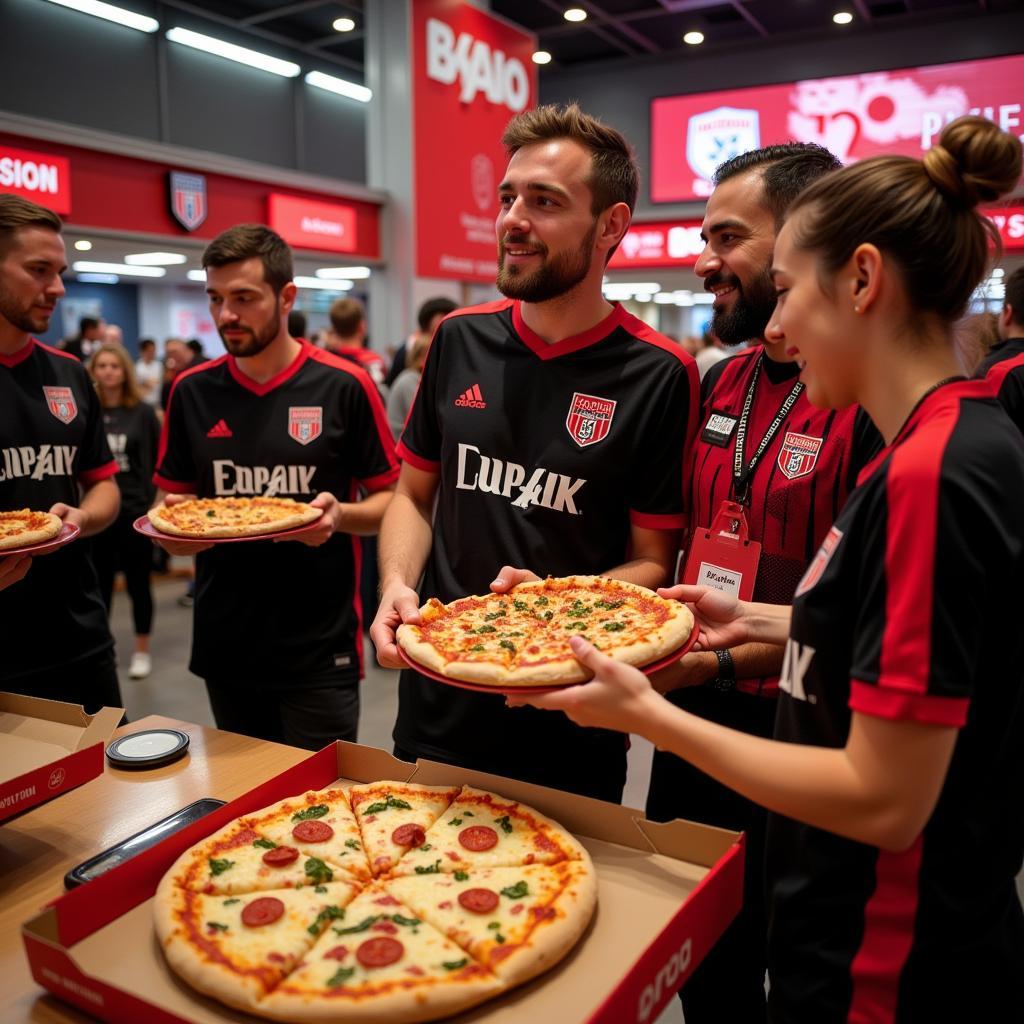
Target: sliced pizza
{"points": [[320, 825], [380, 963], [394, 818], [517, 921], [237, 948], [213, 518], [481, 829]]}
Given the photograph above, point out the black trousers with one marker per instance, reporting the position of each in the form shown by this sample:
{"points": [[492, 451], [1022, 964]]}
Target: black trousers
{"points": [[119, 547], [729, 984], [298, 715], [91, 682]]}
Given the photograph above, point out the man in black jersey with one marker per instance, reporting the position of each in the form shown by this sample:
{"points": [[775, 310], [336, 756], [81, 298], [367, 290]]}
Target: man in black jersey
{"points": [[53, 457], [1003, 367], [277, 633], [551, 431]]}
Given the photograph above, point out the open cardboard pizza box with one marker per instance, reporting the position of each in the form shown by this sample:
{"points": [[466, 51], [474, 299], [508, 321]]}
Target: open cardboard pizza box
{"points": [[47, 748], [665, 895]]}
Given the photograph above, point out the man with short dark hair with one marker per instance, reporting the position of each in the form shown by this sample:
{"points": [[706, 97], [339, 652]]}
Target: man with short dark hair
{"points": [[347, 338], [53, 457], [789, 468], [550, 428], [430, 314], [90, 336], [1003, 367], [277, 634]]}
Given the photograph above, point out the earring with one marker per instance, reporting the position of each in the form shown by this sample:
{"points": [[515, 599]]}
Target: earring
{"points": [[856, 309]]}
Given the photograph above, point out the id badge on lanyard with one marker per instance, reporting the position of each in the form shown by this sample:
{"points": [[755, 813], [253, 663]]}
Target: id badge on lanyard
{"points": [[723, 556]]}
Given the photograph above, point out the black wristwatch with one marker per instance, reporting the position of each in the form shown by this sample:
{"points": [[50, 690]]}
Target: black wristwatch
{"points": [[726, 678]]}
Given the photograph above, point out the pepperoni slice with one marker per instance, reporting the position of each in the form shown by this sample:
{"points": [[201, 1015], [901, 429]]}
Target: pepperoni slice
{"points": [[312, 831], [409, 835], [265, 910], [280, 856], [479, 901], [478, 838], [380, 951]]}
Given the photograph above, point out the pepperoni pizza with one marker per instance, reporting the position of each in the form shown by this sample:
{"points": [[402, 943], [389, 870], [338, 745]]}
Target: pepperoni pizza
{"points": [[389, 902], [522, 638]]}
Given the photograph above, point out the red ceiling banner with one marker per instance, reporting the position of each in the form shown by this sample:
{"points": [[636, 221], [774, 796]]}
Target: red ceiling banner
{"points": [[856, 116], [661, 244], [471, 73], [41, 177]]}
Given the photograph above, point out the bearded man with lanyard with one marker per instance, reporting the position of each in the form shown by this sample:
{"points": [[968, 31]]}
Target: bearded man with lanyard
{"points": [[769, 475]]}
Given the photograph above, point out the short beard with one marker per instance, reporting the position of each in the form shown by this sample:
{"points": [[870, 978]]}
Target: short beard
{"points": [[751, 311], [554, 277], [19, 317], [257, 340]]}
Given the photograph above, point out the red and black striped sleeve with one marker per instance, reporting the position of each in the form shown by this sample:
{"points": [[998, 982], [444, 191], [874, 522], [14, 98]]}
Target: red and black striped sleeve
{"points": [[420, 443], [1006, 379]]}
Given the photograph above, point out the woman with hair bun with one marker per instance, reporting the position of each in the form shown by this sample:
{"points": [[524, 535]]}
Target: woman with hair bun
{"points": [[896, 776]]}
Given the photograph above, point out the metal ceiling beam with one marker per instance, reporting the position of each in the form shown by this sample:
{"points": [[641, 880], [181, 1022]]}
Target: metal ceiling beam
{"points": [[282, 12], [751, 20], [601, 22]]}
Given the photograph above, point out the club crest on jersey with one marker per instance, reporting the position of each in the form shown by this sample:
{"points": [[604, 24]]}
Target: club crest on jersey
{"points": [[305, 422], [61, 402], [798, 454], [589, 419], [820, 561]]}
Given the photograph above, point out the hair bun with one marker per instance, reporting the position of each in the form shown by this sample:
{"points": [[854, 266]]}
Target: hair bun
{"points": [[974, 161]]}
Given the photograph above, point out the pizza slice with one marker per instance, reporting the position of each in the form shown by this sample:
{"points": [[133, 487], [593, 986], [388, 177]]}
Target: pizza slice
{"points": [[380, 962], [237, 948], [481, 829], [320, 825], [517, 921], [394, 818], [240, 859]]}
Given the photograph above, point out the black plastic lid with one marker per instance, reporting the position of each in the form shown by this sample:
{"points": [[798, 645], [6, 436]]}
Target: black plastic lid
{"points": [[150, 748]]}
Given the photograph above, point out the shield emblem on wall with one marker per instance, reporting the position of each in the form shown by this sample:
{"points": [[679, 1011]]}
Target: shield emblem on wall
{"points": [[715, 136], [61, 402], [305, 422], [798, 455], [589, 419], [188, 199]]}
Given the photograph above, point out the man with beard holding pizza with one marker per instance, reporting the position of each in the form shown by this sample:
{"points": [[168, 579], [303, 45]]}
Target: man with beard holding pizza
{"points": [[790, 466], [277, 634], [550, 428]]}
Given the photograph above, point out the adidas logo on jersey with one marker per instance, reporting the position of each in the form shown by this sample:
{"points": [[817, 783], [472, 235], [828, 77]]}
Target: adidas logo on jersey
{"points": [[219, 429], [478, 472], [36, 463], [471, 398], [266, 481]]}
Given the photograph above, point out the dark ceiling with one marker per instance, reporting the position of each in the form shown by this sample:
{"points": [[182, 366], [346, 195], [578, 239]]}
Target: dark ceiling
{"points": [[613, 28]]}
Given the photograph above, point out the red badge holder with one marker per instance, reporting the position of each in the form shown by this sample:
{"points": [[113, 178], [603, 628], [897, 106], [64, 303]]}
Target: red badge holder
{"points": [[723, 556]]}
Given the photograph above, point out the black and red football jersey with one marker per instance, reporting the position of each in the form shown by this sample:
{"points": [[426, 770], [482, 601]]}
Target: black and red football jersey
{"points": [[133, 434], [911, 612], [266, 608], [798, 485], [546, 455], [1003, 368], [51, 442]]}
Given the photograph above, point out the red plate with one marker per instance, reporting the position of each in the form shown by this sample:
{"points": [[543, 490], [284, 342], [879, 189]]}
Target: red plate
{"points": [[654, 666], [68, 532], [147, 529]]}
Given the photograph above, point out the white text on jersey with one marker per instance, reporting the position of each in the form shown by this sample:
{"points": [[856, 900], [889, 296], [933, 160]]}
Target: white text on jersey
{"points": [[46, 460], [794, 668], [479, 472], [266, 481]]}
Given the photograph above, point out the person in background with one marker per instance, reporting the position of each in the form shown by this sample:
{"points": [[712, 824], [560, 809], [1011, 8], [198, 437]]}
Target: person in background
{"points": [[133, 434], [149, 372], [297, 323], [112, 334], [347, 338], [195, 346], [1003, 367], [709, 351], [178, 357], [976, 335], [403, 391], [430, 314], [90, 334]]}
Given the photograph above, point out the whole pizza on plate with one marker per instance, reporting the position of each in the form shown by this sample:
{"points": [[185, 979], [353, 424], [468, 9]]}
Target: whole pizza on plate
{"points": [[21, 527], [522, 638], [212, 518], [388, 902]]}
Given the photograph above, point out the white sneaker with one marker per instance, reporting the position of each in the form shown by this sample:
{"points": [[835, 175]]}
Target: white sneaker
{"points": [[141, 665]]}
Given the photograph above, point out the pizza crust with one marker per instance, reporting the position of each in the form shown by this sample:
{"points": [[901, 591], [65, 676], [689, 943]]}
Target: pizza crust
{"points": [[295, 514], [50, 525]]}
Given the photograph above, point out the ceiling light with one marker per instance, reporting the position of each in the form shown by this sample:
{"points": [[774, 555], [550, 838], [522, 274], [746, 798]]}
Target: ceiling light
{"points": [[344, 273], [340, 86], [343, 24], [318, 282], [575, 14], [156, 259], [83, 245], [116, 268], [694, 38], [111, 13], [541, 57], [197, 275], [998, 272], [842, 17], [240, 54], [663, 298], [643, 287], [97, 278]]}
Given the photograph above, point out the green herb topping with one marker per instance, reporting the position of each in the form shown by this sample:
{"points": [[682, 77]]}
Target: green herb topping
{"points": [[266, 844], [506, 825], [327, 914], [317, 811], [454, 965], [614, 627], [434, 869], [227, 903], [461, 876], [216, 926], [517, 891], [317, 871], [218, 867], [340, 976], [383, 805]]}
